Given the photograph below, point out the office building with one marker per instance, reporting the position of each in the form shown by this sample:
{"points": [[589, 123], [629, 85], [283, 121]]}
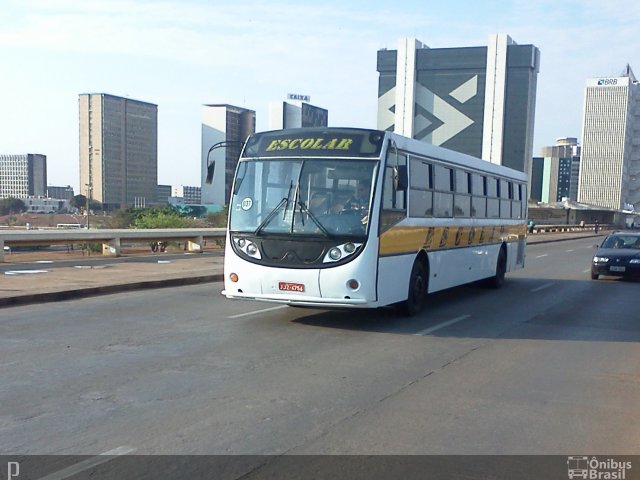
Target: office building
{"points": [[610, 160], [189, 195], [475, 100], [118, 150], [60, 193], [22, 176], [536, 179], [163, 192], [297, 112], [224, 130], [561, 164]]}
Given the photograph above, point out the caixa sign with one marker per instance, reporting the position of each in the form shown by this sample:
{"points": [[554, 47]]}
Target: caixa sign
{"points": [[608, 81]]}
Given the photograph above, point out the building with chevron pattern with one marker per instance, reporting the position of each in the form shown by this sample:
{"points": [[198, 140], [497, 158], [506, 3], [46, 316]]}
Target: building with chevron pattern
{"points": [[475, 100]]}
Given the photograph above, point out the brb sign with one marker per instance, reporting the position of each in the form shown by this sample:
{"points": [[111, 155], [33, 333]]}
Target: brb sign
{"points": [[607, 82]]}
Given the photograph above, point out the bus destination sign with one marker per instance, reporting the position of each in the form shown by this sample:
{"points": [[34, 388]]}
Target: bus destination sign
{"points": [[315, 143]]}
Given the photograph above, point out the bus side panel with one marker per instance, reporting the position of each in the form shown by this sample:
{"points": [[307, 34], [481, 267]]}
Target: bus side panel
{"points": [[393, 278], [449, 268]]}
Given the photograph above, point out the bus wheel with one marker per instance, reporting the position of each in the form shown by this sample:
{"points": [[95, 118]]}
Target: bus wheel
{"points": [[417, 291], [501, 269]]}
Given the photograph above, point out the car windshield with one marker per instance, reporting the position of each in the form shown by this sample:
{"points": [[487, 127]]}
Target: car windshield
{"points": [[622, 241], [320, 196]]}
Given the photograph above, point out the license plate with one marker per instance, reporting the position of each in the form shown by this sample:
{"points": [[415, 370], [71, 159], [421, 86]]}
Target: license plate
{"points": [[617, 269], [291, 287]]}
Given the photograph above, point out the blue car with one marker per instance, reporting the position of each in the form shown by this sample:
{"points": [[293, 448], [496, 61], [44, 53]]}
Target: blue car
{"points": [[619, 255]]}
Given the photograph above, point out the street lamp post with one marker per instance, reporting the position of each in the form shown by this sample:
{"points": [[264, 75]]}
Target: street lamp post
{"points": [[88, 185]]}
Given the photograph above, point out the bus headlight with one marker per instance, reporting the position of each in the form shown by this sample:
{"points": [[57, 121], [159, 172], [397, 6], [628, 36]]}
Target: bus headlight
{"points": [[340, 252], [247, 247]]}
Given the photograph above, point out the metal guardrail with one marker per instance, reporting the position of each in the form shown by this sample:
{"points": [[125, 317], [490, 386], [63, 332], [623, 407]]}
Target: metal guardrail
{"points": [[569, 228], [111, 240]]}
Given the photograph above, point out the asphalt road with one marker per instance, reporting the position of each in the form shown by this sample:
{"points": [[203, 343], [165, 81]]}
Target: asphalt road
{"points": [[547, 365]]}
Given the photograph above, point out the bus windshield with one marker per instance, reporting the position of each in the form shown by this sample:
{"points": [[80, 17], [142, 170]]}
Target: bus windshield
{"points": [[319, 196]]}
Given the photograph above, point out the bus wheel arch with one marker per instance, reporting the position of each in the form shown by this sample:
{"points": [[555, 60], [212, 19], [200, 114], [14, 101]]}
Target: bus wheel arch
{"points": [[498, 279], [418, 286]]}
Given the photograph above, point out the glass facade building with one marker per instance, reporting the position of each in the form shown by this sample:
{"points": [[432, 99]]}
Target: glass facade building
{"points": [[475, 100]]}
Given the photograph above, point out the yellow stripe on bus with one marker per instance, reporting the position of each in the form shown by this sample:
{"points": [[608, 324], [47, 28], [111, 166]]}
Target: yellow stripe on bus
{"points": [[403, 239]]}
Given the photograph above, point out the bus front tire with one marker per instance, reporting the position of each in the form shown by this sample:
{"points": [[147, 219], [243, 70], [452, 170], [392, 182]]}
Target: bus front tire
{"points": [[417, 291]]}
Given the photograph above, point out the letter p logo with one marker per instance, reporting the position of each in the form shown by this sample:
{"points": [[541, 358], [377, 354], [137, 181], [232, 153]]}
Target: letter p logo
{"points": [[13, 470]]}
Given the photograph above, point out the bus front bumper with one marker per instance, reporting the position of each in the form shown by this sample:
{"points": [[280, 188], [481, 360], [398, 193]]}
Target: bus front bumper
{"points": [[303, 301]]}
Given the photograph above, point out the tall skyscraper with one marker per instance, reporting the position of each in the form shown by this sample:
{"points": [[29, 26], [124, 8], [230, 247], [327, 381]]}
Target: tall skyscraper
{"points": [[231, 125], [475, 100], [561, 167], [118, 150], [610, 161], [296, 113], [24, 175]]}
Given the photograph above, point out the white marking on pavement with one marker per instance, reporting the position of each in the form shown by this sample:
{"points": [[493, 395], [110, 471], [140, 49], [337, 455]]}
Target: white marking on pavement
{"points": [[256, 312], [88, 463], [543, 255], [569, 251], [44, 261], [586, 271], [442, 325], [542, 287], [24, 272]]}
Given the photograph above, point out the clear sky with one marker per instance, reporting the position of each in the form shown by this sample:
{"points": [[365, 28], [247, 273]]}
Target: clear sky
{"points": [[180, 54]]}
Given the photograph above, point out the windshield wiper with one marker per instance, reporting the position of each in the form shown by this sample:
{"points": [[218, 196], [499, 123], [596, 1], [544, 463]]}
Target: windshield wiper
{"points": [[285, 201], [303, 208]]}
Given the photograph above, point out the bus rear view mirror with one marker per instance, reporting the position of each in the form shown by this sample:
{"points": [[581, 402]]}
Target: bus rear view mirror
{"points": [[400, 178]]}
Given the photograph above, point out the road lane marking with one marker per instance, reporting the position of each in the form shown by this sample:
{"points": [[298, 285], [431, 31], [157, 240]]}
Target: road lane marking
{"points": [[256, 312], [89, 463], [543, 255], [569, 251], [586, 271], [427, 331], [542, 287]]}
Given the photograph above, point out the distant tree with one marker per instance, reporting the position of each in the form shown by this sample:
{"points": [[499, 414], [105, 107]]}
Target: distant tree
{"points": [[218, 219], [165, 217], [11, 206], [78, 201]]}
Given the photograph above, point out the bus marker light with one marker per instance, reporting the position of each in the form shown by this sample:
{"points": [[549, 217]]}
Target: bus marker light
{"points": [[233, 277], [353, 284]]}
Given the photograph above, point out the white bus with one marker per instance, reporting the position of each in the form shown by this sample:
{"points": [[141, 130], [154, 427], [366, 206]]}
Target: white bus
{"points": [[342, 217]]}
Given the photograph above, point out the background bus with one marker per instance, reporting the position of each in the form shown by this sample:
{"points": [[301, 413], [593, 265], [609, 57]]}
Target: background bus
{"points": [[363, 218]]}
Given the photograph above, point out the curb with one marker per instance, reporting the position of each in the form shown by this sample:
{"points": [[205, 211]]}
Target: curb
{"points": [[77, 293]]}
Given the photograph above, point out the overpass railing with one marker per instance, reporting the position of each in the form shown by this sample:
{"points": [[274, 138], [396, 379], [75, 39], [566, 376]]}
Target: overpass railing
{"points": [[111, 240]]}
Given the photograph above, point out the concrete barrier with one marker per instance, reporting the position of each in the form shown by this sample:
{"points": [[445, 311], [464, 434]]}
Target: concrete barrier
{"points": [[111, 240]]}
